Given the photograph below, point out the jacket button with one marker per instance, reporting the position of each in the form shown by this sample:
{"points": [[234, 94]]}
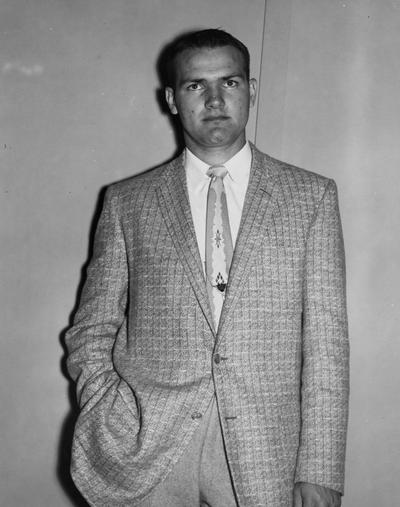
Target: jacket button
{"points": [[196, 415], [217, 359]]}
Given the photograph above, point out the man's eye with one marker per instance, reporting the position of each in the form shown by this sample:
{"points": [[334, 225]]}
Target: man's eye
{"points": [[194, 86], [231, 83]]}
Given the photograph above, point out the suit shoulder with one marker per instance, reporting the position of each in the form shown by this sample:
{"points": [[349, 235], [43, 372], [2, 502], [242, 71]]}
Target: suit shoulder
{"points": [[286, 170], [296, 180], [136, 182], [143, 184]]}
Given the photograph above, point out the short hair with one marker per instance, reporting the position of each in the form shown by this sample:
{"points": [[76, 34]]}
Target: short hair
{"points": [[209, 38]]}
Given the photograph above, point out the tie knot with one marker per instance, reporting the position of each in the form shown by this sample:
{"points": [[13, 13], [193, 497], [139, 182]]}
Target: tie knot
{"points": [[217, 171]]}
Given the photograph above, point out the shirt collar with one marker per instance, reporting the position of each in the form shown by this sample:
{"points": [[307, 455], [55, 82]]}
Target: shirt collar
{"points": [[238, 166]]}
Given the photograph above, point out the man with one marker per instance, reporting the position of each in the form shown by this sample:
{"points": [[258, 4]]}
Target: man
{"points": [[207, 378]]}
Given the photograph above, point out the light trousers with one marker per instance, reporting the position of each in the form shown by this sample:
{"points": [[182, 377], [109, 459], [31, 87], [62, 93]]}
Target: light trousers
{"points": [[201, 477]]}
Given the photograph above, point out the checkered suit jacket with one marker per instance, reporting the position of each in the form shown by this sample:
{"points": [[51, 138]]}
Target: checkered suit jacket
{"points": [[147, 359]]}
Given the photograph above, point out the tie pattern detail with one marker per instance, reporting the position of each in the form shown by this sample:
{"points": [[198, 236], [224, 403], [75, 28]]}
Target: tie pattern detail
{"points": [[218, 240]]}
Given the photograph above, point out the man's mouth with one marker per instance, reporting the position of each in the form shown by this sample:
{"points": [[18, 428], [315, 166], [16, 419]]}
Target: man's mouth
{"points": [[216, 118]]}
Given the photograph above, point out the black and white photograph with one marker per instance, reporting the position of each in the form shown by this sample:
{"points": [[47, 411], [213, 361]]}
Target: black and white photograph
{"points": [[199, 230]]}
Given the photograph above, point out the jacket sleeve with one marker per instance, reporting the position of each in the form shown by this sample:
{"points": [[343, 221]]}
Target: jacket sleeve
{"points": [[101, 312], [325, 349]]}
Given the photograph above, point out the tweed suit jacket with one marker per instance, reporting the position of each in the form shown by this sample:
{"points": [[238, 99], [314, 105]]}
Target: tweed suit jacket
{"points": [[147, 359]]}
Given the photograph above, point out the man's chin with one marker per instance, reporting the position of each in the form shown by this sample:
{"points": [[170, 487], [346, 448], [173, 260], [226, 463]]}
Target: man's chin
{"points": [[218, 136]]}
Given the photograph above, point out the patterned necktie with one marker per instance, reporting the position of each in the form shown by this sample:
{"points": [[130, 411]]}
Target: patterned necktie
{"points": [[218, 240]]}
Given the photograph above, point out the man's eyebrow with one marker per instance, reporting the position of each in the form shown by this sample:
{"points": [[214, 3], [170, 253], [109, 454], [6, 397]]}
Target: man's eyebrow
{"points": [[234, 76], [191, 80], [194, 80], [222, 78]]}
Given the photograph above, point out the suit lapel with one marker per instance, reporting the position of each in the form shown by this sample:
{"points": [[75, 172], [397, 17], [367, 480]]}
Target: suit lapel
{"points": [[256, 210], [175, 208]]}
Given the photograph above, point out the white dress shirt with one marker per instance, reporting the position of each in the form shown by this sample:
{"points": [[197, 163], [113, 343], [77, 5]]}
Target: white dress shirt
{"points": [[235, 183]]}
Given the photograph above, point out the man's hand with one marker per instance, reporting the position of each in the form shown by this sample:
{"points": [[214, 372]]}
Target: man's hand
{"points": [[312, 495]]}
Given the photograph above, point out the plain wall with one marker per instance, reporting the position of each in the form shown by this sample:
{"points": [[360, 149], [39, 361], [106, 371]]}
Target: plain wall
{"points": [[330, 102], [78, 108]]}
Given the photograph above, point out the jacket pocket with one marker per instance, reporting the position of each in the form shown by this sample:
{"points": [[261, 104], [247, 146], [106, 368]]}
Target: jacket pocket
{"points": [[123, 413]]}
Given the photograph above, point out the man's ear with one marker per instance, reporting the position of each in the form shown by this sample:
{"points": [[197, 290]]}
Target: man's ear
{"points": [[253, 91], [170, 98]]}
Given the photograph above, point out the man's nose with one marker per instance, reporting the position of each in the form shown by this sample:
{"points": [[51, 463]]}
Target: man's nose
{"points": [[214, 99]]}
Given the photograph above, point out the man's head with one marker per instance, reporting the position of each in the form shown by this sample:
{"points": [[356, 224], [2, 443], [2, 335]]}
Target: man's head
{"points": [[210, 90]]}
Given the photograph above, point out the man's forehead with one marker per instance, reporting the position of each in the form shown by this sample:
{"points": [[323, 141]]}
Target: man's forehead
{"points": [[226, 60]]}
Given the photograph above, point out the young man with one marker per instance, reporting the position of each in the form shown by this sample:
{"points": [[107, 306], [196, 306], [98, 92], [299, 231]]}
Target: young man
{"points": [[210, 345]]}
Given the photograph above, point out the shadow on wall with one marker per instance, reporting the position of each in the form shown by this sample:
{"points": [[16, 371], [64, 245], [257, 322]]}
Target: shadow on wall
{"points": [[64, 452]]}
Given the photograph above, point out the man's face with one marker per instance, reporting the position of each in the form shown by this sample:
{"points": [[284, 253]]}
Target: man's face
{"points": [[212, 97]]}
